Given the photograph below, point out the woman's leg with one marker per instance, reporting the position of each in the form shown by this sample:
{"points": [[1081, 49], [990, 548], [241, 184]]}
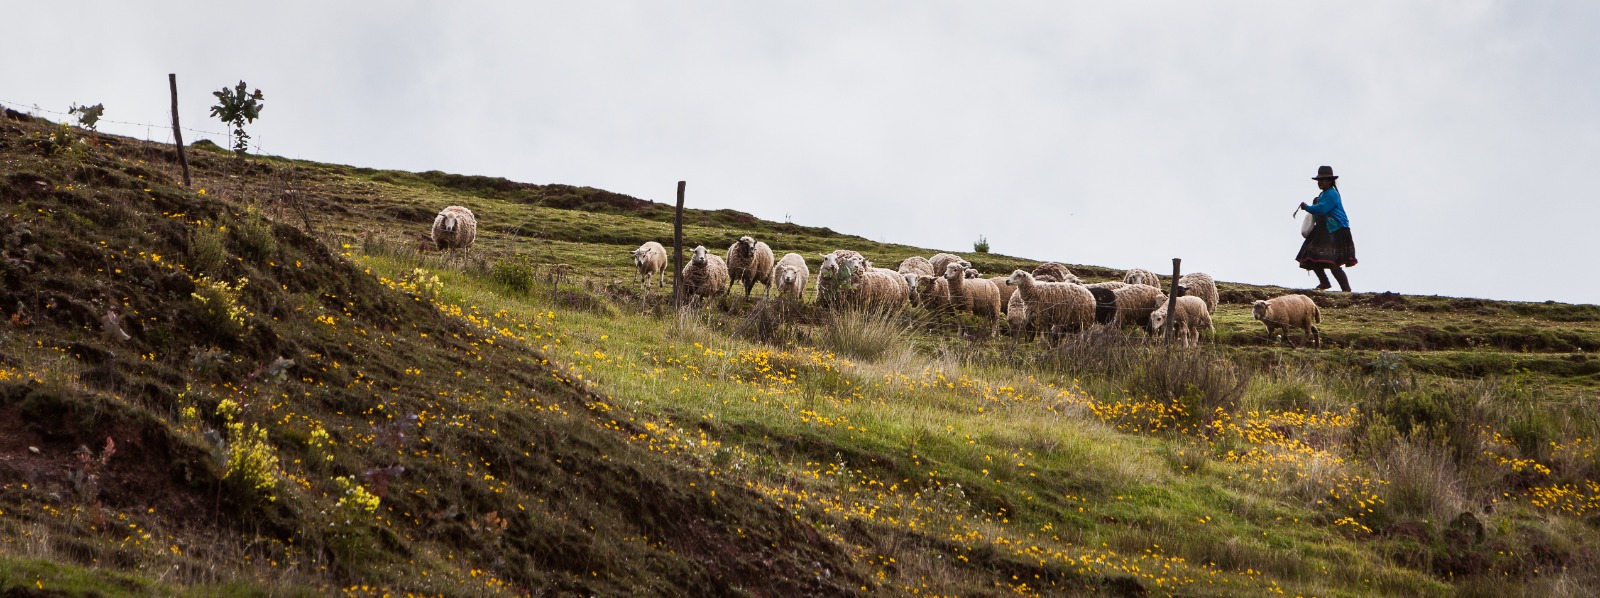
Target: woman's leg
{"points": [[1322, 279], [1338, 274]]}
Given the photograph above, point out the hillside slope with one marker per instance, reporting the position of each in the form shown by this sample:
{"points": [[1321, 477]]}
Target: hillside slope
{"points": [[305, 401]]}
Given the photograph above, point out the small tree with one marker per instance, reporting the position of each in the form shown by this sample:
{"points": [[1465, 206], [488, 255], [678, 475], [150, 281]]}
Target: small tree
{"points": [[236, 107], [981, 246], [88, 116]]}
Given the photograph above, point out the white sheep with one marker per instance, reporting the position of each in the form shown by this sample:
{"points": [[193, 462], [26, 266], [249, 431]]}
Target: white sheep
{"points": [[1006, 291], [1200, 284], [1017, 316], [706, 275], [1135, 302], [1290, 311], [871, 289], [651, 259], [1054, 308], [940, 260], [976, 295], [1193, 317], [916, 264], [454, 228], [790, 274], [750, 262], [1142, 276]]}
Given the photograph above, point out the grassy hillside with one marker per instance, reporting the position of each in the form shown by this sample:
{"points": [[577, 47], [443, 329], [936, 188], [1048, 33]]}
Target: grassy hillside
{"points": [[307, 402]]}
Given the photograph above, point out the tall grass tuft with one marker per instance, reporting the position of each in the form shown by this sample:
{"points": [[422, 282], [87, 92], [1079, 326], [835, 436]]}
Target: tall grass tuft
{"points": [[864, 334]]}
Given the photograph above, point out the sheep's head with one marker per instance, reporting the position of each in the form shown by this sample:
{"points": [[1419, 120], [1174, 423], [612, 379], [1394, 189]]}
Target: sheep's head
{"points": [[830, 264], [954, 271], [1158, 320], [1183, 290], [746, 246], [973, 273], [1020, 278], [448, 222], [787, 275], [1259, 310], [699, 258]]}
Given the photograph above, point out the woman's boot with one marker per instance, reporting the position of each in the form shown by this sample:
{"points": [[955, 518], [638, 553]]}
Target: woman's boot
{"points": [[1322, 278], [1338, 274]]}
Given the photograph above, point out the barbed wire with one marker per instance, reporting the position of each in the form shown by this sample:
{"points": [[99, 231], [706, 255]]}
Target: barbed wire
{"points": [[166, 137]]}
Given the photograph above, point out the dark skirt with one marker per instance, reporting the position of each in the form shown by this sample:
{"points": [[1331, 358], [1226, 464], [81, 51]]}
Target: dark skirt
{"points": [[1327, 250]]}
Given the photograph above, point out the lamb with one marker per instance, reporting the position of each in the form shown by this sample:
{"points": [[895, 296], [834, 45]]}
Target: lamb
{"points": [[1290, 311], [706, 275], [1054, 307], [651, 259], [1017, 316], [454, 228], [1200, 284], [750, 262], [790, 276], [1142, 276], [976, 295], [1053, 272], [1191, 319], [1134, 304], [940, 260]]}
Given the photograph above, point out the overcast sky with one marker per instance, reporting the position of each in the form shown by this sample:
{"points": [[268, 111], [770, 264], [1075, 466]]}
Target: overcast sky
{"points": [[1120, 134]]}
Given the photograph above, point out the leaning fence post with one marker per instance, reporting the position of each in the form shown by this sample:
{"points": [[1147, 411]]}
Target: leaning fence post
{"points": [[1172, 301], [177, 133], [677, 252]]}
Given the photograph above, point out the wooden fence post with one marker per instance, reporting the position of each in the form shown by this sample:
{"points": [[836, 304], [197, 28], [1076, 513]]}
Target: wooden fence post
{"points": [[1172, 301], [677, 252], [177, 133]]}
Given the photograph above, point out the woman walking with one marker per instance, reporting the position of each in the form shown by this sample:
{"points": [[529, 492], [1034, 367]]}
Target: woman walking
{"points": [[1329, 247]]}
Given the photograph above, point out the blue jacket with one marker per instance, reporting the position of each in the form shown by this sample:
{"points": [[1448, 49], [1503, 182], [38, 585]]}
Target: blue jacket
{"points": [[1331, 209]]}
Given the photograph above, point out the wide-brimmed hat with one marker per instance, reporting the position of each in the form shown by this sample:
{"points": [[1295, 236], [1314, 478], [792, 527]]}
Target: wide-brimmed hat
{"points": [[1324, 172]]}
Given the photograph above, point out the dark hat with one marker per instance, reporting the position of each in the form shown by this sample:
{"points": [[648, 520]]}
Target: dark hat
{"points": [[1325, 172]]}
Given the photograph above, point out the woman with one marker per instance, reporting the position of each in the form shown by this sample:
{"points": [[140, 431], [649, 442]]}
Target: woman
{"points": [[1329, 247]]}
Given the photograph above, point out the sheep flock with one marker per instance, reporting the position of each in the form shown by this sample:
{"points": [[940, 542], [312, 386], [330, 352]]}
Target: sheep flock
{"points": [[1048, 302]]}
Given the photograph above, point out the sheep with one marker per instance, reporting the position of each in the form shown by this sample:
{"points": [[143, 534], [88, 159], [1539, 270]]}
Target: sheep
{"points": [[1191, 319], [1105, 300], [1017, 316], [1006, 292], [1134, 304], [828, 279], [1142, 276], [651, 258], [1200, 284], [1290, 311], [842, 254], [454, 228], [972, 273], [790, 274], [976, 295], [916, 264], [872, 289], [1054, 307], [1053, 272], [706, 275], [750, 262], [940, 260], [931, 292]]}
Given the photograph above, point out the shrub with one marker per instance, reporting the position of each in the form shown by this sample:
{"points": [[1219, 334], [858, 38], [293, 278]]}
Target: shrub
{"points": [[981, 245], [865, 335], [252, 463], [220, 308], [253, 236], [207, 251], [516, 275]]}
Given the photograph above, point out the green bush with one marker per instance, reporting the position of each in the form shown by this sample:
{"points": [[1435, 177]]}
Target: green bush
{"points": [[516, 275], [253, 237], [207, 249]]}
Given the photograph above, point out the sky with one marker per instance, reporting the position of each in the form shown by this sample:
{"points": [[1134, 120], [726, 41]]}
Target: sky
{"points": [[1117, 134]]}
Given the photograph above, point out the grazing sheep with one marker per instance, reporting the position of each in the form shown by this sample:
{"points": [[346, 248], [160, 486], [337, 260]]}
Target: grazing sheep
{"points": [[454, 228], [1053, 272], [1134, 304], [940, 260], [916, 264], [1054, 308], [872, 289], [651, 259], [1105, 300], [1017, 316], [1290, 311], [790, 276], [1006, 292], [1200, 284], [706, 275], [750, 262], [976, 295], [1142, 276], [1192, 318]]}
